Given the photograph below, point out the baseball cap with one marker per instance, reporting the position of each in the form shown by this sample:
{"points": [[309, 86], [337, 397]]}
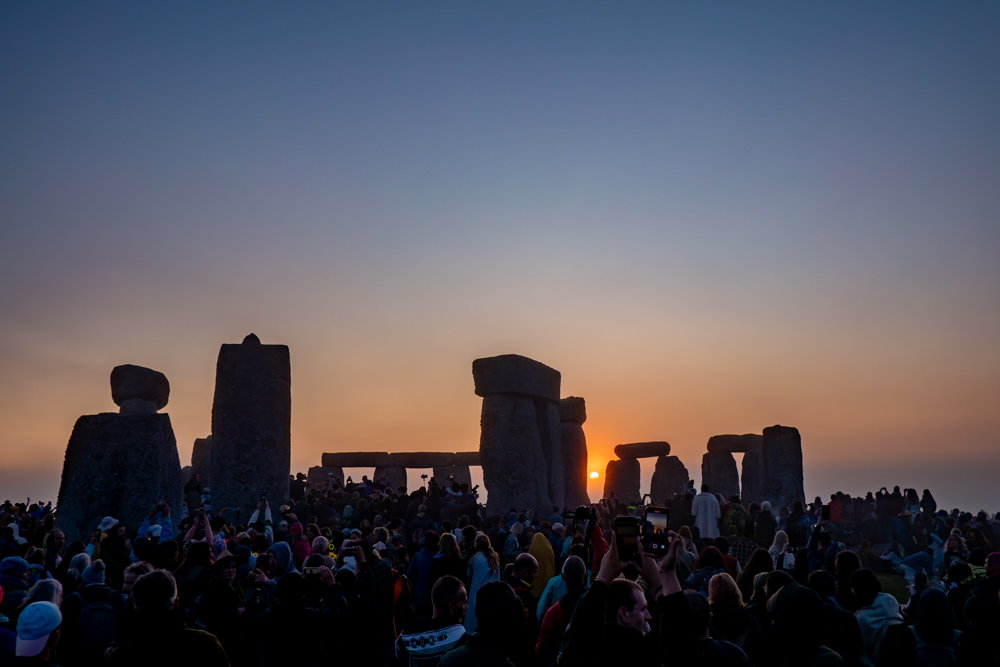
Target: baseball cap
{"points": [[34, 625]]}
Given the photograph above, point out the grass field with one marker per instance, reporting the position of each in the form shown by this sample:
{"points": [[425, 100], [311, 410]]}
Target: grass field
{"points": [[895, 585]]}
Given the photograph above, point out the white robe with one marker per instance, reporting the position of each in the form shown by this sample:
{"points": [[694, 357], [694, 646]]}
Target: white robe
{"points": [[706, 512]]}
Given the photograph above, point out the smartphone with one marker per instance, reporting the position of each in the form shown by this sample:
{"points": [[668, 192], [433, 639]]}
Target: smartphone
{"points": [[315, 571], [825, 512], [570, 514], [626, 538], [654, 530]]}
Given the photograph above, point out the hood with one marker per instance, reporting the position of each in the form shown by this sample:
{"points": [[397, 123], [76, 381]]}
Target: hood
{"points": [[284, 554], [295, 529], [935, 617]]}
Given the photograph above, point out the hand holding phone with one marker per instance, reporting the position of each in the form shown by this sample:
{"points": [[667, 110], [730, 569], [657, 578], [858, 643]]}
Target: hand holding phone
{"points": [[626, 537], [654, 531]]}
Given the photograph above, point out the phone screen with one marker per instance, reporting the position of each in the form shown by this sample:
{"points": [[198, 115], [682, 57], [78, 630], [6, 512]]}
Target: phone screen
{"points": [[826, 512], [654, 534], [627, 535]]}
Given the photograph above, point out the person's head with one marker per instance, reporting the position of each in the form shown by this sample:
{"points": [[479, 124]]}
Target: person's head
{"points": [[448, 546], [499, 612], [449, 599], [710, 557], [155, 592], [722, 544], [955, 542], [935, 621], [823, 583], [626, 606], [704, 488], [312, 532], [132, 574], [57, 540], [722, 589], [320, 545], [797, 507], [574, 573], [780, 539], [38, 630], [765, 506], [865, 586], [225, 566], [78, 564], [46, 590], [825, 539], [700, 612], [516, 528], [685, 532], [846, 562], [94, 574], [525, 568], [431, 540], [198, 554], [776, 581]]}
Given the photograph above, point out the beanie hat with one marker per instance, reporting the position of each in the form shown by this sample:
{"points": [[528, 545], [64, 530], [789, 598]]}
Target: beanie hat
{"points": [[37, 621], [766, 506], [13, 565], [94, 574]]}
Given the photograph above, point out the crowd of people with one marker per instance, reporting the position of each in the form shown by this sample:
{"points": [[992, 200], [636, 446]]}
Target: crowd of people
{"points": [[377, 575]]}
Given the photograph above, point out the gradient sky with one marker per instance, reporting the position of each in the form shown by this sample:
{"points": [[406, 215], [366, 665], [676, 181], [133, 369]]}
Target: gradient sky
{"points": [[710, 217]]}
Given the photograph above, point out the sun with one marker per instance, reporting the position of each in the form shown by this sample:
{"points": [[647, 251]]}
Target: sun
{"points": [[594, 475]]}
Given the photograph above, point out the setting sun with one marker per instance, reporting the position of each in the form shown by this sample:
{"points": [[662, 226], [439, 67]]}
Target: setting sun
{"points": [[594, 474]]}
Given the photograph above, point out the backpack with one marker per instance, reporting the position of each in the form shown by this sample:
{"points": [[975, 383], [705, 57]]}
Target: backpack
{"points": [[96, 625], [935, 655]]}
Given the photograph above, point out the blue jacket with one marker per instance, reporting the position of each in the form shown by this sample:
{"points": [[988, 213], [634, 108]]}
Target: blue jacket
{"points": [[419, 573]]}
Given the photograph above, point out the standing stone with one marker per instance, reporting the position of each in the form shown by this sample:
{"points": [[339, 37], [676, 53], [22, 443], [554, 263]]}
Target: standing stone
{"points": [[318, 477], [622, 479], [251, 426], [514, 468], [201, 460], [783, 483], [752, 477], [396, 475], [669, 479], [139, 390], [572, 414], [356, 459], [718, 470], [117, 465], [523, 449], [461, 474]]}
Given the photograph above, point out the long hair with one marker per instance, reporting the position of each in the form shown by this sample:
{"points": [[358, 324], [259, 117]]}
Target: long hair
{"points": [[780, 539], [760, 561], [722, 588], [448, 546], [710, 557], [482, 545]]}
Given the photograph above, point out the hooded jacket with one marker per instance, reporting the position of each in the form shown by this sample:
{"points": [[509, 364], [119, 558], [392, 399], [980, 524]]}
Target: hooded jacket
{"points": [[874, 620]]}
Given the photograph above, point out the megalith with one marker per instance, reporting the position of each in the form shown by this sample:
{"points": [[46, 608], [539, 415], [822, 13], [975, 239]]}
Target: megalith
{"points": [[572, 415], [120, 464], [201, 460], [514, 468], [733, 444], [521, 438], [251, 426], [460, 474], [356, 459], [669, 479], [752, 477], [622, 478], [783, 482], [396, 476], [139, 390], [718, 470], [320, 477], [642, 450]]}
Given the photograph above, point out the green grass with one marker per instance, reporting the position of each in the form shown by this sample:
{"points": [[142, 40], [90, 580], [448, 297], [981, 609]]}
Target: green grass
{"points": [[895, 585]]}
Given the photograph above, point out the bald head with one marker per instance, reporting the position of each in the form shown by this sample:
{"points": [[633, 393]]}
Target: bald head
{"points": [[525, 567], [574, 573]]}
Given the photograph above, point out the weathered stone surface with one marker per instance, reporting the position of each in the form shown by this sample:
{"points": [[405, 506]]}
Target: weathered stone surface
{"points": [[550, 433], [395, 474], [749, 442], [251, 426], [669, 478], [514, 374], [574, 452], [572, 409], [718, 470], [201, 460], [622, 478], [421, 459], [186, 473], [467, 459], [783, 483], [140, 387], [640, 450], [318, 477], [117, 465], [514, 469], [461, 474], [752, 477], [355, 459]]}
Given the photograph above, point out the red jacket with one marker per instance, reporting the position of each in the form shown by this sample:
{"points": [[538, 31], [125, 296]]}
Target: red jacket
{"points": [[553, 626]]}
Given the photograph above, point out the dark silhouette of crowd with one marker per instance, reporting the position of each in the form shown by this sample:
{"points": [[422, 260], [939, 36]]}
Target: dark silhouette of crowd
{"points": [[365, 574]]}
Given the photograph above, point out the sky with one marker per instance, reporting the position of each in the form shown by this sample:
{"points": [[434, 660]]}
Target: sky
{"points": [[709, 217]]}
